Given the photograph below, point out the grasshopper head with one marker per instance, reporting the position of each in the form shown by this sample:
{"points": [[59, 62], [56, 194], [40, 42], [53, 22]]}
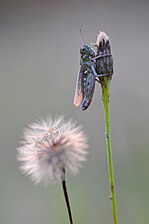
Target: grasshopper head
{"points": [[87, 50]]}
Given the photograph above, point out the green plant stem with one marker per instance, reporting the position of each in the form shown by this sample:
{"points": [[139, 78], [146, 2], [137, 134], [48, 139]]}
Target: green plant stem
{"points": [[105, 84]]}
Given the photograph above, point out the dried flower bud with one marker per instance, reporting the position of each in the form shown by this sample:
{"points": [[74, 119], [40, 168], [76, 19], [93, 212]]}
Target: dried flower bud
{"points": [[104, 64], [50, 147]]}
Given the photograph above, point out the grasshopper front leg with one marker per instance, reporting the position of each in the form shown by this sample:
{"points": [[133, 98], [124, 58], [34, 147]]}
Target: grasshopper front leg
{"points": [[95, 73]]}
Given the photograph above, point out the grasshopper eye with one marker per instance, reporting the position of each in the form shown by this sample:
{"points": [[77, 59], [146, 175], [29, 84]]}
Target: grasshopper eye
{"points": [[83, 49]]}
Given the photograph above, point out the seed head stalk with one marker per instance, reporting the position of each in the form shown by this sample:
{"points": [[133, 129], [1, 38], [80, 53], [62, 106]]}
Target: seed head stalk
{"points": [[105, 97], [64, 186]]}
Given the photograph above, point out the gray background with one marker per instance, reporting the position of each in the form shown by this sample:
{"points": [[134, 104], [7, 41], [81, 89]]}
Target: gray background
{"points": [[39, 63]]}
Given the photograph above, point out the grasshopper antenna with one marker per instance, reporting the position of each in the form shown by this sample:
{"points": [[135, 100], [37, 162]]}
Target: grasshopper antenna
{"points": [[81, 35]]}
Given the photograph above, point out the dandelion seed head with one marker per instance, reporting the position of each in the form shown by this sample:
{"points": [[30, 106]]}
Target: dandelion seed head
{"points": [[49, 147]]}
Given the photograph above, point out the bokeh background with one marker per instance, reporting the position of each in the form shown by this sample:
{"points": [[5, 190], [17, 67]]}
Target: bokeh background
{"points": [[39, 63]]}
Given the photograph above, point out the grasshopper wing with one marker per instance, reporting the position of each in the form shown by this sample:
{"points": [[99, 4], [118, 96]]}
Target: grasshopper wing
{"points": [[79, 91]]}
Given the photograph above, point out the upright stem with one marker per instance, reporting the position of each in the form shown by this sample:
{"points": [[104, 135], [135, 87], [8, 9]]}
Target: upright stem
{"points": [[66, 197], [105, 96]]}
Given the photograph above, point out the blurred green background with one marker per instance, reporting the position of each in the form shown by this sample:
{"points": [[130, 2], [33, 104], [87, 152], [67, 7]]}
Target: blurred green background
{"points": [[39, 63]]}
